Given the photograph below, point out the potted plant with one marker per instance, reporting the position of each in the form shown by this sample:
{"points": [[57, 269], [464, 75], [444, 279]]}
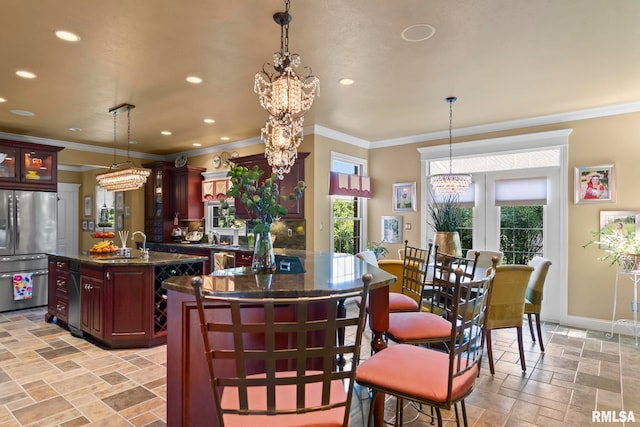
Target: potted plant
{"points": [[621, 248], [377, 248], [446, 217], [263, 202]]}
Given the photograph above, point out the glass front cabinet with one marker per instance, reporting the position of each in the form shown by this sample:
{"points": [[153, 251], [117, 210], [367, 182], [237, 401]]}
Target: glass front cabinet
{"points": [[28, 166]]}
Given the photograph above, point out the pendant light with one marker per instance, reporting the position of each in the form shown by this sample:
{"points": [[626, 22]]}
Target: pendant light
{"points": [[286, 96], [131, 177], [452, 184]]}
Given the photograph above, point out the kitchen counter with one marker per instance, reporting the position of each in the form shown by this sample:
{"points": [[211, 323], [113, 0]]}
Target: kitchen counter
{"points": [[155, 258], [189, 396], [118, 301]]}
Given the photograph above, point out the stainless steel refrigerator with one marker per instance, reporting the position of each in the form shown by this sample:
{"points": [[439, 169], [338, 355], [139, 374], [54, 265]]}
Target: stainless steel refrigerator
{"points": [[28, 226]]}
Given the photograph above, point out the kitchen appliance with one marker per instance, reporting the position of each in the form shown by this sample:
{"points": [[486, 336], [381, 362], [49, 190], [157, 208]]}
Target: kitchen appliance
{"points": [[74, 299], [28, 225]]}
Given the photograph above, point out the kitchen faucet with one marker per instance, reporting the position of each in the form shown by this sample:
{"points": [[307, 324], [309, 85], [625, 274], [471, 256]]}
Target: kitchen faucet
{"points": [[145, 252]]}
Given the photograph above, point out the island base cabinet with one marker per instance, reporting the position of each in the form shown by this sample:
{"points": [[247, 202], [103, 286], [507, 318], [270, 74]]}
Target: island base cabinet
{"points": [[91, 302], [128, 322]]}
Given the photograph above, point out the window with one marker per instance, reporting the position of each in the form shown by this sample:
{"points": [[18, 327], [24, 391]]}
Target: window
{"points": [[348, 213], [524, 226], [105, 208]]}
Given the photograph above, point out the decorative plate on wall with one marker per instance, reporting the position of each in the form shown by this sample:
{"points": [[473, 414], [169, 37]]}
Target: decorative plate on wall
{"points": [[181, 160]]}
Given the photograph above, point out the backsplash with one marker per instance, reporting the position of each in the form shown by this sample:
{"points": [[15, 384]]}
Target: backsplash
{"points": [[288, 234]]}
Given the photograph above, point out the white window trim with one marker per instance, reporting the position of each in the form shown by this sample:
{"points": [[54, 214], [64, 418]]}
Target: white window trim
{"points": [[335, 156], [517, 143]]}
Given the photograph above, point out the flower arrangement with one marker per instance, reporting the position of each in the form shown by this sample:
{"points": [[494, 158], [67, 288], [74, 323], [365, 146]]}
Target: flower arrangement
{"points": [[621, 249], [377, 248], [262, 199], [263, 203]]}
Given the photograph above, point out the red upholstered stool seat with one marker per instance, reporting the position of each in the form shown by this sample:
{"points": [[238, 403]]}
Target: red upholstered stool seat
{"points": [[418, 327]]}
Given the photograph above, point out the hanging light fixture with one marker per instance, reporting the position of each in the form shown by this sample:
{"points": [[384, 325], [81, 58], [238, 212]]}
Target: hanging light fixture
{"points": [[450, 183], [118, 178], [287, 97]]}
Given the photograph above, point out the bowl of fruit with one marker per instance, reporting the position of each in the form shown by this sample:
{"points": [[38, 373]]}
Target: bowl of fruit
{"points": [[104, 247]]}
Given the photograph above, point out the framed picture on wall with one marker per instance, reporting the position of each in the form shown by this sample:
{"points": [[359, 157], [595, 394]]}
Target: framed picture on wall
{"points": [[119, 201], [404, 197], [625, 223], [91, 225], [391, 229], [85, 226], [88, 206], [594, 184]]}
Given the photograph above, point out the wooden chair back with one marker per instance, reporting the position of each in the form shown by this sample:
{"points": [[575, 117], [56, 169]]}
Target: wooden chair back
{"points": [[277, 357]]}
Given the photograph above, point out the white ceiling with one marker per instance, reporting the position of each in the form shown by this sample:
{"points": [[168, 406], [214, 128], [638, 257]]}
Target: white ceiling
{"points": [[504, 60]]}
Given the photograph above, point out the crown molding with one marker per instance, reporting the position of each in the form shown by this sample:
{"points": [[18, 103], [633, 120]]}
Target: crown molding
{"points": [[590, 113]]}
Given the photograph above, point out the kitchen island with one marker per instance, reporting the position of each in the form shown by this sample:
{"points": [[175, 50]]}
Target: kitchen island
{"points": [[189, 397], [117, 301]]}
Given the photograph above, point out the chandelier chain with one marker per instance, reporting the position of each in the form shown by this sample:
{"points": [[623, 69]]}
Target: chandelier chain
{"points": [[128, 133], [115, 139], [450, 132]]}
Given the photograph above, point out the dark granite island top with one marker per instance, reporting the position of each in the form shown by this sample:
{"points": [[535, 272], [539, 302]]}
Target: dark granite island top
{"points": [[189, 397], [324, 273]]}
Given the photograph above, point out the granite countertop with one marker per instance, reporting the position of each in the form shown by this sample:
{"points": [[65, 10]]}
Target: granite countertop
{"points": [[155, 258], [213, 247], [324, 273]]}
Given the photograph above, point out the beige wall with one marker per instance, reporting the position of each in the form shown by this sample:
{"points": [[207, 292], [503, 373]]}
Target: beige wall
{"points": [[592, 142]]}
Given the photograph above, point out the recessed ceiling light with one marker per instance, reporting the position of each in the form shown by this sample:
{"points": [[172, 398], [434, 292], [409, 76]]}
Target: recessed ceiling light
{"points": [[194, 79], [418, 32], [225, 138], [347, 82], [67, 36], [196, 144], [25, 74], [3, 100], [23, 113], [75, 129], [209, 121], [166, 132]]}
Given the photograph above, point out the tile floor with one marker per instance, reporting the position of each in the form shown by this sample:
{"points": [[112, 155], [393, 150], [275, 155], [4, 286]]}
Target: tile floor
{"points": [[50, 378]]}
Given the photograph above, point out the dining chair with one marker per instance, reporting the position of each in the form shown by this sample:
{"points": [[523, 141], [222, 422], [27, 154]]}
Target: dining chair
{"points": [[440, 379], [485, 259], [273, 361], [412, 280], [533, 295], [506, 306]]}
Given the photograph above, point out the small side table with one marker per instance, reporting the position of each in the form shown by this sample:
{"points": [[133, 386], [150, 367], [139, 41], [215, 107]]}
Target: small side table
{"points": [[634, 276]]}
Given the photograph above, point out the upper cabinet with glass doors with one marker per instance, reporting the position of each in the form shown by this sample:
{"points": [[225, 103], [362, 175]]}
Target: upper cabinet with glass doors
{"points": [[25, 166]]}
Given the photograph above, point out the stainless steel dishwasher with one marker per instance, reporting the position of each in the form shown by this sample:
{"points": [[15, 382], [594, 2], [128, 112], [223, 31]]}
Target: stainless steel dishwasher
{"points": [[74, 299]]}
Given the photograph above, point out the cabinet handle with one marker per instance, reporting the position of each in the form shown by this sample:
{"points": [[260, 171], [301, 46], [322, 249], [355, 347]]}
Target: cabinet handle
{"points": [[108, 275]]}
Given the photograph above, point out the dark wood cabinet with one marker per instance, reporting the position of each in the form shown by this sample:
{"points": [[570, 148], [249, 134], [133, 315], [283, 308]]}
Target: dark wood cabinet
{"points": [[26, 166], [58, 290], [121, 306], [243, 259], [158, 223], [91, 302], [295, 208], [171, 192], [187, 193]]}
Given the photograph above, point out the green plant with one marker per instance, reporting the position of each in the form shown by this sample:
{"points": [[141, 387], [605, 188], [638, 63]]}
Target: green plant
{"points": [[262, 199], [377, 248], [446, 213], [617, 245]]}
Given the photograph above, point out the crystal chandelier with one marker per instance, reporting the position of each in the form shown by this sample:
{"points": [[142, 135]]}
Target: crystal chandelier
{"points": [[287, 97], [450, 183], [119, 178]]}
